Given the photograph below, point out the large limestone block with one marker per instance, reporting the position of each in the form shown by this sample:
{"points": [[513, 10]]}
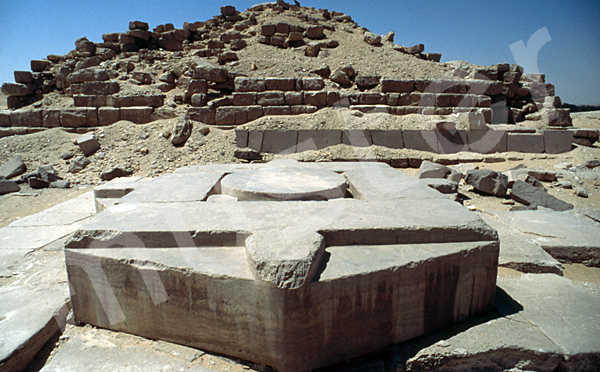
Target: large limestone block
{"points": [[275, 282], [318, 139]]}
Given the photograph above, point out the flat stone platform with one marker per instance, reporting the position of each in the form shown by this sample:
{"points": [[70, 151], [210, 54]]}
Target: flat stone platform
{"points": [[292, 284]]}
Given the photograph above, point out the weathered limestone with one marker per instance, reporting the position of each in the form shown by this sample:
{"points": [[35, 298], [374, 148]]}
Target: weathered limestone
{"points": [[566, 236], [534, 196], [263, 258]]}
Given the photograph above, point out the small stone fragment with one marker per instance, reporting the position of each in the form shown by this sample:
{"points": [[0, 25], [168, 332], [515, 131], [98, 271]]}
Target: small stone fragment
{"points": [[88, 143], [182, 130], [116, 173], [78, 164], [372, 38]]}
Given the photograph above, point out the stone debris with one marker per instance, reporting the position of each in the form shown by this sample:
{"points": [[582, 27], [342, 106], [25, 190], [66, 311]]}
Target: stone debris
{"points": [[182, 130], [78, 164], [88, 144], [487, 181], [115, 173], [530, 195], [433, 170], [12, 168], [7, 186]]}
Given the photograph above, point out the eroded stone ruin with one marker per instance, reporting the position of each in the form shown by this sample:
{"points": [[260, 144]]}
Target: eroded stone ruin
{"points": [[206, 70]]}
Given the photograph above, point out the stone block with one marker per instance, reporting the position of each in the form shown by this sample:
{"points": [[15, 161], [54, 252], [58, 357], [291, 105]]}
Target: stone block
{"points": [[198, 99], [372, 99], [372, 109], [92, 101], [284, 84], [298, 110], [108, 115], [255, 139], [276, 110], [23, 77], [333, 98], [557, 117], [452, 141], [428, 86], [244, 84], [270, 98], [367, 82], [241, 138], [254, 112], [397, 86], [268, 29], [391, 138], [488, 87], [244, 99], [312, 83], [88, 144], [51, 118], [204, 115], [40, 65], [423, 140], [86, 75], [294, 98], [525, 142], [137, 115], [73, 118], [4, 118], [557, 141], [487, 141], [231, 115], [318, 99], [139, 100], [215, 74], [357, 137], [15, 89], [26, 118], [454, 86], [196, 86], [315, 32], [280, 141], [312, 140]]}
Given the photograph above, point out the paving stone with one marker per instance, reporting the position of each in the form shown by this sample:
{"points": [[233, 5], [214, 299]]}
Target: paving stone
{"points": [[546, 323], [517, 251], [31, 314], [12, 168], [111, 351], [190, 188], [536, 197], [565, 236]]}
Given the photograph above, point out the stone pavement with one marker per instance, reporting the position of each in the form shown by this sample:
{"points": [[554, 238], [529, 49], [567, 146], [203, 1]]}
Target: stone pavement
{"points": [[34, 294], [541, 321]]}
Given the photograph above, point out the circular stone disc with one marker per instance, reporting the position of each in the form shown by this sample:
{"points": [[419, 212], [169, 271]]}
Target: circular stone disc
{"points": [[285, 183]]}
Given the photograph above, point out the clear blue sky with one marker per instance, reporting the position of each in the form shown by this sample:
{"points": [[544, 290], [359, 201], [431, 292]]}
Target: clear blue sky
{"points": [[480, 32]]}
